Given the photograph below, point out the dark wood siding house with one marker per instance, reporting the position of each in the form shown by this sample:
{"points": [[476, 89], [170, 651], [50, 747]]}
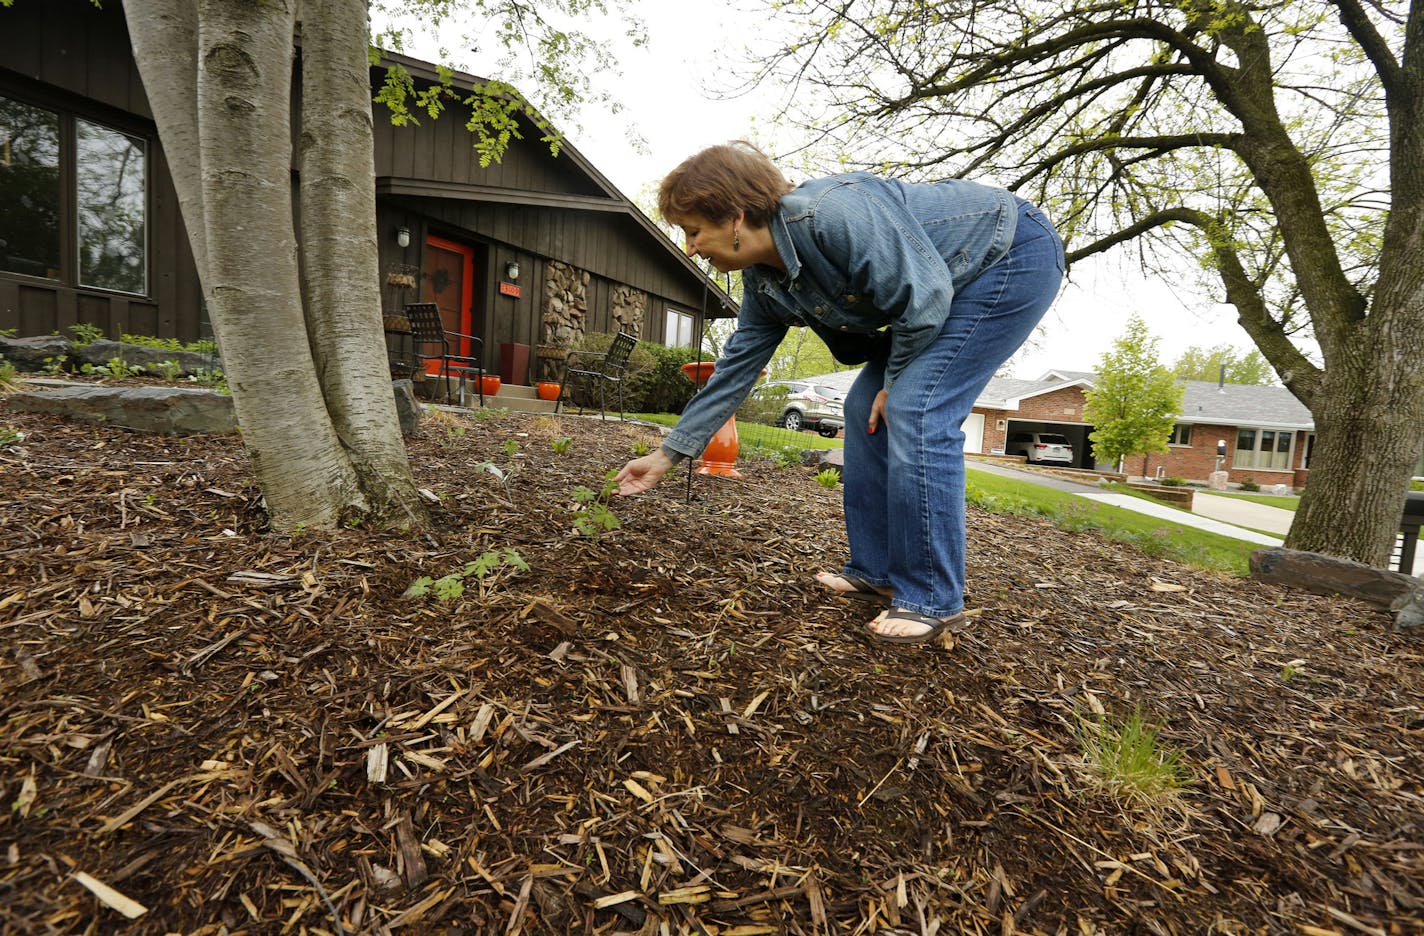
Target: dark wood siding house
{"points": [[528, 254]]}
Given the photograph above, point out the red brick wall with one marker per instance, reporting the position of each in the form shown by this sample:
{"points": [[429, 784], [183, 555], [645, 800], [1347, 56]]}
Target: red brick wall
{"points": [[1064, 406], [1196, 461]]}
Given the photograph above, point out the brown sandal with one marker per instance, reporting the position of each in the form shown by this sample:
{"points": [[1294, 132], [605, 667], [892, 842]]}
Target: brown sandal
{"points": [[941, 630]]}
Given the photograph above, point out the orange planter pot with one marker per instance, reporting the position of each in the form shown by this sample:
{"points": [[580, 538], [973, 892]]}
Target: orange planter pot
{"points": [[720, 455], [548, 389], [489, 386]]}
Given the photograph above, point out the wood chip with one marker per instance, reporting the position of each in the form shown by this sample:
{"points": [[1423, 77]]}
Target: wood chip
{"points": [[110, 897]]}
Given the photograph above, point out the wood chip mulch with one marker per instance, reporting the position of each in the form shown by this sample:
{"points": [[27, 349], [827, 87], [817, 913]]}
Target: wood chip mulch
{"points": [[669, 728]]}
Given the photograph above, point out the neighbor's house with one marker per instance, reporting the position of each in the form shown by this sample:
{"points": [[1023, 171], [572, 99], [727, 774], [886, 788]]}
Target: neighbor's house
{"points": [[1267, 433], [527, 254]]}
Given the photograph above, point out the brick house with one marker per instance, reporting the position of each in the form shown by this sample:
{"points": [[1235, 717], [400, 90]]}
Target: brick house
{"points": [[1265, 432]]}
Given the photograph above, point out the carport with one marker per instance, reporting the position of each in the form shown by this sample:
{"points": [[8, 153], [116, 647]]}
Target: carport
{"points": [[1076, 433]]}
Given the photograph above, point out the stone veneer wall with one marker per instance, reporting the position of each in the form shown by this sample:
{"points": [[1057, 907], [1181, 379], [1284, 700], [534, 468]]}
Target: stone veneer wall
{"points": [[565, 312], [628, 306]]}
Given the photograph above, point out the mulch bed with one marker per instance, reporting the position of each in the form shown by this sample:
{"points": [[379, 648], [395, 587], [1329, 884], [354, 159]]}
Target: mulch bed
{"points": [[667, 728]]}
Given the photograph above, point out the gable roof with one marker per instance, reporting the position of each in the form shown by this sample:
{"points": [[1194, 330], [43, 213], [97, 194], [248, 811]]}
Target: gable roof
{"points": [[608, 198]]}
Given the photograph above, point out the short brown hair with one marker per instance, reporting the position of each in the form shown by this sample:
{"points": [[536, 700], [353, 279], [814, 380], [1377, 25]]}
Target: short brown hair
{"points": [[722, 180]]}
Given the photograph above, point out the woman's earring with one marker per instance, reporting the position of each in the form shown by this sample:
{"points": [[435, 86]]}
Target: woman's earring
{"points": [[736, 239]]}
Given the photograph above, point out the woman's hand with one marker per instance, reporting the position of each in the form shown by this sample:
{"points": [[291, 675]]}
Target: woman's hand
{"points": [[641, 474], [877, 410]]}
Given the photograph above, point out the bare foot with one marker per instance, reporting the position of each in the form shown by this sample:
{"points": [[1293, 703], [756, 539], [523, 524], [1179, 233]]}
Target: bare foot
{"points": [[852, 587]]}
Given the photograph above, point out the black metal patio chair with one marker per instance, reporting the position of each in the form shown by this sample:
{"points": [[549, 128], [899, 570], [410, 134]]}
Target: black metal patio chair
{"points": [[603, 369], [432, 342]]}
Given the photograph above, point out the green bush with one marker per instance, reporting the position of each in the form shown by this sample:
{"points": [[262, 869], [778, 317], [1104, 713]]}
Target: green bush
{"points": [[663, 388], [1173, 482], [1248, 483]]}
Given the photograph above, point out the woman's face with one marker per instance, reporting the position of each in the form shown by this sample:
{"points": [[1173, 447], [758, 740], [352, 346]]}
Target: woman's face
{"points": [[712, 240]]}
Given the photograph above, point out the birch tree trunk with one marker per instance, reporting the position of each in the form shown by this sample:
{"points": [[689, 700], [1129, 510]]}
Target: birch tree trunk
{"points": [[311, 389], [339, 251]]}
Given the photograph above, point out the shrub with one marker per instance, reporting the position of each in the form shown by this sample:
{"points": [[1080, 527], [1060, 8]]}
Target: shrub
{"points": [[1173, 482], [1248, 483], [662, 388]]}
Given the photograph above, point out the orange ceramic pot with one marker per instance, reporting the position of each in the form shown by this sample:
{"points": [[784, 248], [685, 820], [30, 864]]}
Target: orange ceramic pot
{"points": [[489, 385], [720, 455], [548, 389]]}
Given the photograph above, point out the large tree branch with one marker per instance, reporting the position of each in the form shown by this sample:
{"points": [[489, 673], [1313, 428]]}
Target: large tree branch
{"points": [[1300, 376], [166, 52], [1357, 22]]}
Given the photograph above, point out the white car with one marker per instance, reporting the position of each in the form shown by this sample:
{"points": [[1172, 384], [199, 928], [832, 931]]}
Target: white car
{"points": [[1041, 447], [806, 406]]}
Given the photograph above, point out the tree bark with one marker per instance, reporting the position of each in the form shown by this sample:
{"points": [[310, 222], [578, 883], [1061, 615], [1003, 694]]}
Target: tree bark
{"points": [[244, 98], [339, 250], [166, 51], [309, 379]]}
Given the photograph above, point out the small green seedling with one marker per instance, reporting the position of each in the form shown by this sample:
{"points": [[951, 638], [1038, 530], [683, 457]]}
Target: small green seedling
{"points": [[85, 334], [504, 477], [169, 370], [562, 445], [511, 448], [595, 518], [487, 570], [640, 448], [828, 478]]}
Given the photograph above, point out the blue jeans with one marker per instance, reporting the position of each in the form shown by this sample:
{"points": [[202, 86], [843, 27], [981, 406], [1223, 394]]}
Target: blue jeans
{"points": [[904, 485]]}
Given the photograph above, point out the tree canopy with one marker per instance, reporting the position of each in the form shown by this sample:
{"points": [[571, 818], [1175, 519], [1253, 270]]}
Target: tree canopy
{"points": [[1224, 362]]}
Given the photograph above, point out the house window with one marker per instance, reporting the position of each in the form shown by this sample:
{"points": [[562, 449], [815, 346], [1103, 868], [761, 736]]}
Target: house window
{"points": [[1263, 448], [677, 331], [29, 190], [1181, 434], [104, 235], [1419, 466], [110, 183]]}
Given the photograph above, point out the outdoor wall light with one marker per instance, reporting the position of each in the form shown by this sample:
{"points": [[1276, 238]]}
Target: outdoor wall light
{"points": [[403, 236], [511, 269]]}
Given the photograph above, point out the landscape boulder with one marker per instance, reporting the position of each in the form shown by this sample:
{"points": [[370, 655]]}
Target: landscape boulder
{"points": [[103, 351], [167, 410], [408, 407], [1401, 594], [30, 354]]}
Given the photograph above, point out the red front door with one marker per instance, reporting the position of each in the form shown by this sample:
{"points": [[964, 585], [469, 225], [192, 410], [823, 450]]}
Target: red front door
{"points": [[449, 282]]}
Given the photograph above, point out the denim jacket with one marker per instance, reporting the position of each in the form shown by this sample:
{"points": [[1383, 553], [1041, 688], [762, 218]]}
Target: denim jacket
{"points": [[871, 266]]}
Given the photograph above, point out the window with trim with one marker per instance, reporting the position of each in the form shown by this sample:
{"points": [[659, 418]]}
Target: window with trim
{"points": [[1268, 449], [105, 231], [1181, 434], [678, 329]]}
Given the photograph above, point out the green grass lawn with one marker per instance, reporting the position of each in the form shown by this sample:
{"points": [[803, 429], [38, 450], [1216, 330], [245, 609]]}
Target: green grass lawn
{"points": [[1152, 535], [752, 435], [1283, 501]]}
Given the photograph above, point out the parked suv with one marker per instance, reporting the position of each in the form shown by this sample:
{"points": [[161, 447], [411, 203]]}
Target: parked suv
{"points": [[1041, 447], [806, 406]]}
